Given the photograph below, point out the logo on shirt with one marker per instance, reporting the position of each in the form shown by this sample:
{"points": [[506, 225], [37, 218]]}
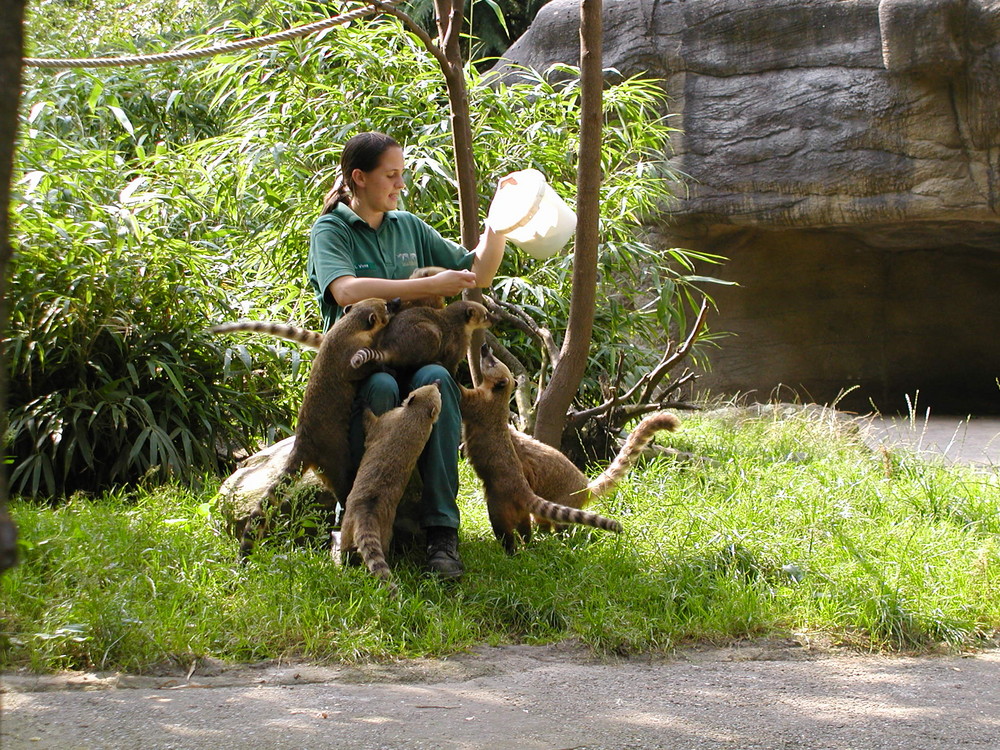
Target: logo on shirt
{"points": [[407, 259], [362, 266]]}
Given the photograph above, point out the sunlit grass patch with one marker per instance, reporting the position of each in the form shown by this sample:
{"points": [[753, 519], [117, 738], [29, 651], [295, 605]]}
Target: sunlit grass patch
{"points": [[769, 525]]}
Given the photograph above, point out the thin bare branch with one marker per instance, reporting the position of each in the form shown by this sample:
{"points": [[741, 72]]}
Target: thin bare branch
{"points": [[625, 412], [659, 372], [675, 385]]}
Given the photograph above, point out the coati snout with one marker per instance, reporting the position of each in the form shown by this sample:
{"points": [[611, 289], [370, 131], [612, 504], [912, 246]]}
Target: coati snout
{"points": [[488, 365]]}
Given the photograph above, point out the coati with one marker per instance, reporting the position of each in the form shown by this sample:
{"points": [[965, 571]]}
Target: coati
{"points": [[553, 476], [321, 441], [393, 442], [510, 501], [422, 335], [435, 301], [312, 339]]}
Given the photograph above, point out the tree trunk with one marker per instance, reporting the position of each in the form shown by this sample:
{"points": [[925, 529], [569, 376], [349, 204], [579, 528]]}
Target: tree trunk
{"points": [[568, 372], [11, 51], [450, 16]]}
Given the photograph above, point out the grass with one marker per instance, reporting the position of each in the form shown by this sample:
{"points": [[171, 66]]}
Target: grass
{"points": [[777, 526]]}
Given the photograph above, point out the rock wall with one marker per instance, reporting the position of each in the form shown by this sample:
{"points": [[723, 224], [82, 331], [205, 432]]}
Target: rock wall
{"points": [[845, 156]]}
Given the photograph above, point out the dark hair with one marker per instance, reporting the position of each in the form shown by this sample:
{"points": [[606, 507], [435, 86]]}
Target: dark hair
{"points": [[363, 152]]}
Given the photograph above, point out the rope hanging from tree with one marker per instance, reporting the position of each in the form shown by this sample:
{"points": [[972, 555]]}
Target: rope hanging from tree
{"points": [[193, 54]]}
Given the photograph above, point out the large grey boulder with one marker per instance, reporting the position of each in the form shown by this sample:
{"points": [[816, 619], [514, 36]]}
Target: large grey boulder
{"points": [[845, 156]]}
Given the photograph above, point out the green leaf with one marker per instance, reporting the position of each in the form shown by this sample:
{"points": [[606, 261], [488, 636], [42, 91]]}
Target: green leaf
{"points": [[122, 118]]}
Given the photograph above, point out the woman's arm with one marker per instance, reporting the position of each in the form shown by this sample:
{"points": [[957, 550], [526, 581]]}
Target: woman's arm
{"points": [[489, 254], [348, 290]]}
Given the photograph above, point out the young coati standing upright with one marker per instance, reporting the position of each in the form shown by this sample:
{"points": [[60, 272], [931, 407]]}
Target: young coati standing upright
{"points": [[321, 434], [510, 501], [435, 301], [393, 442], [422, 335]]}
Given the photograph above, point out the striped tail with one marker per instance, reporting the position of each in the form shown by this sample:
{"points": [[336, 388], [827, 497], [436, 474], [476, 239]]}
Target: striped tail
{"points": [[636, 441], [542, 508], [301, 336], [364, 356], [369, 544]]}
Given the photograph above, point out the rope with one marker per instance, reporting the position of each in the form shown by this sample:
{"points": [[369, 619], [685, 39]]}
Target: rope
{"points": [[193, 54]]}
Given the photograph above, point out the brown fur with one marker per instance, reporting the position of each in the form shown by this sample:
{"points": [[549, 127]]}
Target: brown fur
{"points": [[422, 335], [393, 443], [556, 478], [301, 336], [510, 500], [312, 339], [435, 301], [321, 440]]}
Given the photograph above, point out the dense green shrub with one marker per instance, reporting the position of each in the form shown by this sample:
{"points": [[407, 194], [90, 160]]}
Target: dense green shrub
{"points": [[112, 376]]}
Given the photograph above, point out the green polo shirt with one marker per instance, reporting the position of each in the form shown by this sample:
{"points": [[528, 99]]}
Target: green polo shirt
{"points": [[341, 243]]}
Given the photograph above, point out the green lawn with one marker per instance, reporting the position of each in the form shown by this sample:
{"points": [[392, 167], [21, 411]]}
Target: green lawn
{"points": [[767, 526]]}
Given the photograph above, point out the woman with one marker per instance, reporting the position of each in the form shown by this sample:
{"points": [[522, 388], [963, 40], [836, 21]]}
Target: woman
{"points": [[362, 246]]}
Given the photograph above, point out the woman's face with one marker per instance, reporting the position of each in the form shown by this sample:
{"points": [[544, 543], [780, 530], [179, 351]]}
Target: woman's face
{"points": [[379, 189]]}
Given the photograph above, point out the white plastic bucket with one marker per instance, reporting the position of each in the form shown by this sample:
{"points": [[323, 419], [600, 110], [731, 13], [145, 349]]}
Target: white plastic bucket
{"points": [[531, 214]]}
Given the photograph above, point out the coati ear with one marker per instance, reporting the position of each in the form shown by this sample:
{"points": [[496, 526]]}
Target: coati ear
{"points": [[500, 384], [407, 400], [347, 309], [372, 319]]}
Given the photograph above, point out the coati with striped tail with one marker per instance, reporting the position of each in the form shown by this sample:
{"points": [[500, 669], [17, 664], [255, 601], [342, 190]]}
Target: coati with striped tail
{"points": [[510, 501], [553, 476], [312, 339], [393, 442], [321, 441], [422, 335], [426, 339]]}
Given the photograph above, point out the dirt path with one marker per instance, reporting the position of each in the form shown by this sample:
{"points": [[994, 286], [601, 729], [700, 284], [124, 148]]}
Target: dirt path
{"points": [[758, 696]]}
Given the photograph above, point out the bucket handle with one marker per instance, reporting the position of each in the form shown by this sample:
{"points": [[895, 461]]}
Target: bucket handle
{"points": [[512, 180]]}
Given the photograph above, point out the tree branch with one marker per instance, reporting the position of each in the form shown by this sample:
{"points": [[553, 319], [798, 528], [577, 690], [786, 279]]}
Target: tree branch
{"points": [[417, 30], [523, 322], [569, 370], [657, 374]]}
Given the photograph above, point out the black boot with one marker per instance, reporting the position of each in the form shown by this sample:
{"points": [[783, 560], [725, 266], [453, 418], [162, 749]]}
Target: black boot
{"points": [[442, 552]]}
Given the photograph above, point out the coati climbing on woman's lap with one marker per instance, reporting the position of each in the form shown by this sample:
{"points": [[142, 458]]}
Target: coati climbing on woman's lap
{"points": [[321, 440]]}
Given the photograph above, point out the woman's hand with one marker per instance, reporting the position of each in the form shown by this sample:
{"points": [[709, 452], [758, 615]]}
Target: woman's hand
{"points": [[450, 283]]}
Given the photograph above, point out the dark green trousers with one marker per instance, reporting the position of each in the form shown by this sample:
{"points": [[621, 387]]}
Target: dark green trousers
{"points": [[438, 464]]}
